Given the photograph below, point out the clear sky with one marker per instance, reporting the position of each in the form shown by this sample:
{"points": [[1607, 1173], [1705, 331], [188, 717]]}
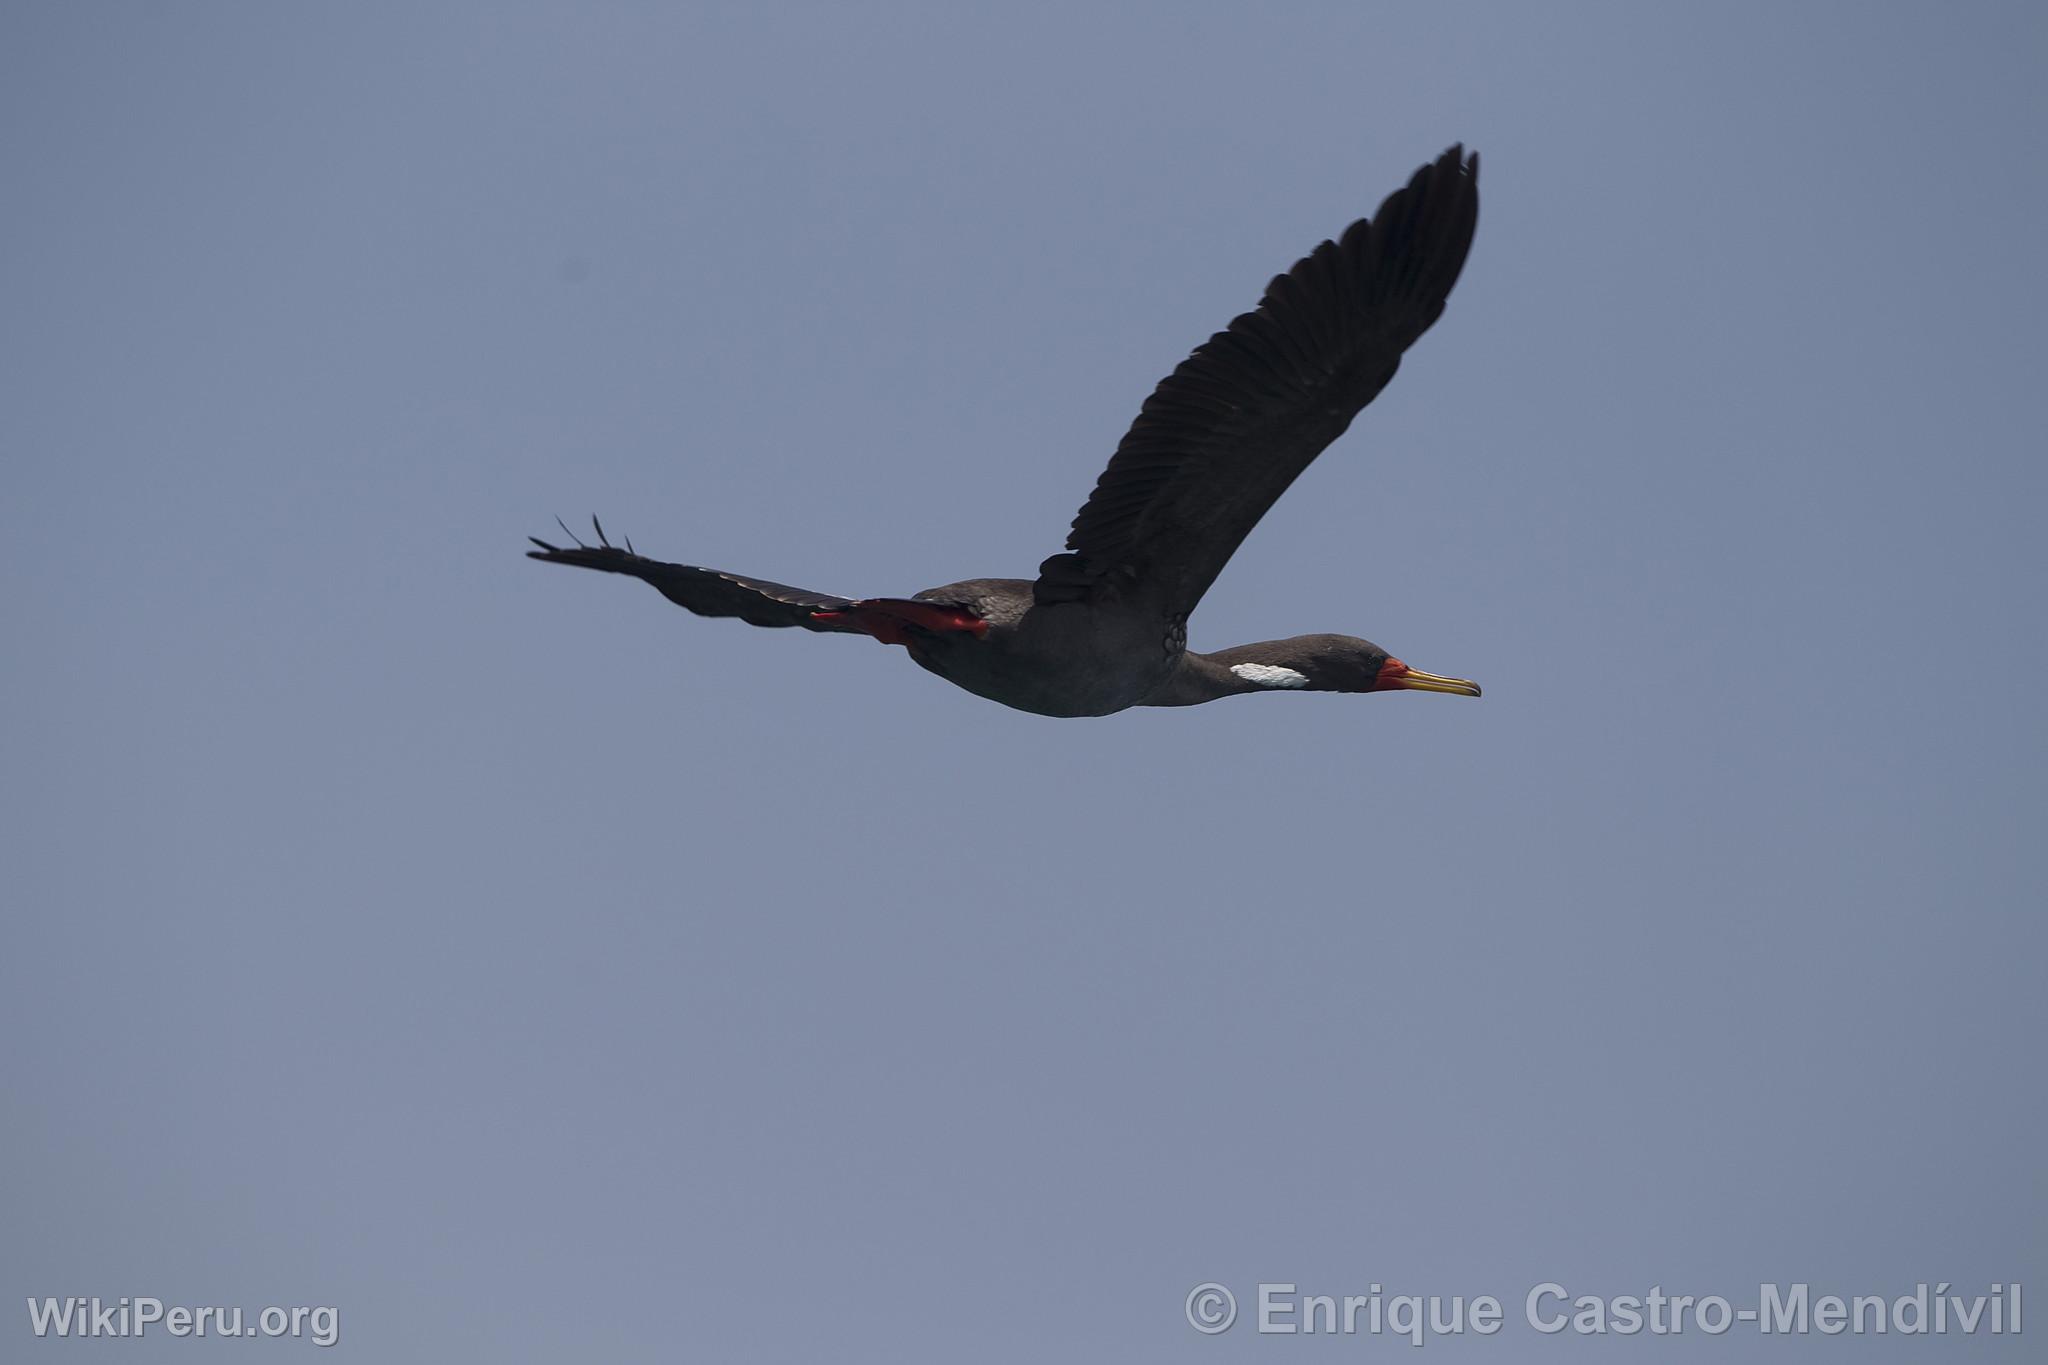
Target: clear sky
{"points": [[537, 972]]}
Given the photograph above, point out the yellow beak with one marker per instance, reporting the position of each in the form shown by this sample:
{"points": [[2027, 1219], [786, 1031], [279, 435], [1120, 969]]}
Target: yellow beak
{"points": [[1416, 680]]}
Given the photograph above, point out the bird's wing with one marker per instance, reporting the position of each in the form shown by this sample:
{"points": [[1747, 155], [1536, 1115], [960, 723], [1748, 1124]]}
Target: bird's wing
{"points": [[1223, 436], [707, 592]]}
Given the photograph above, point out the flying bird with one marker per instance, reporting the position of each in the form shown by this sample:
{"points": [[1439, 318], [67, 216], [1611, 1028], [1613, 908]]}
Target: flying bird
{"points": [[1104, 625]]}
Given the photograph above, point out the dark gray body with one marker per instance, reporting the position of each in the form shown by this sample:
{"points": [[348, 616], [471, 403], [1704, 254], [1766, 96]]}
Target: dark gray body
{"points": [[1064, 659]]}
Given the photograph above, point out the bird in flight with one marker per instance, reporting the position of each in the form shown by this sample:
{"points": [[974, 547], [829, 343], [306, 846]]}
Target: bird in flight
{"points": [[1104, 625]]}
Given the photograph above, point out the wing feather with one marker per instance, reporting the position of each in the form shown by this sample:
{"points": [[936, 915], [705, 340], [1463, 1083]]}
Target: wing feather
{"points": [[1224, 435]]}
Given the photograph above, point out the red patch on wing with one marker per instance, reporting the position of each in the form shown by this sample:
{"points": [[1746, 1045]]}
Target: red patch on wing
{"points": [[890, 619]]}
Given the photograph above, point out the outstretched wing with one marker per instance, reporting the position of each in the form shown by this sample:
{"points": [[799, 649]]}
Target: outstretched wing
{"points": [[1223, 436], [707, 592]]}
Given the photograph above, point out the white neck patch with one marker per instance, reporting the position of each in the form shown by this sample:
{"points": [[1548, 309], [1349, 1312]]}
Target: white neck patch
{"points": [[1270, 675]]}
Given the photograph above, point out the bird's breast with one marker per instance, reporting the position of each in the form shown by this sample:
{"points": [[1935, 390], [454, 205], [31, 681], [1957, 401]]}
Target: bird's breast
{"points": [[1059, 661]]}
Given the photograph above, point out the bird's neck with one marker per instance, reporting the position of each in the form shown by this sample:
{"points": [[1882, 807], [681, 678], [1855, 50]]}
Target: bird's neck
{"points": [[1229, 673]]}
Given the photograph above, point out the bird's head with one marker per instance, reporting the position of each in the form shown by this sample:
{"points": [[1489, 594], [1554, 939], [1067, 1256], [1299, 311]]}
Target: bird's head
{"points": [[1333, 663]]}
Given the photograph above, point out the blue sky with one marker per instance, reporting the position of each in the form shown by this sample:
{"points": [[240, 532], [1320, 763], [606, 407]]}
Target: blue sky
{"points": [[533, 970]]}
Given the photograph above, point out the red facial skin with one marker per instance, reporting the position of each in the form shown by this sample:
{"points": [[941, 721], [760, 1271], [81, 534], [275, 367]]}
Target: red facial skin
{"points": [[1393, 674], [889, 619]]}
